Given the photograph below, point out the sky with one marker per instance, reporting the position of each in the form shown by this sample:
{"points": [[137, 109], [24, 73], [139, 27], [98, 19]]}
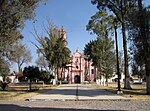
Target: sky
{"points": [[73, 15]]}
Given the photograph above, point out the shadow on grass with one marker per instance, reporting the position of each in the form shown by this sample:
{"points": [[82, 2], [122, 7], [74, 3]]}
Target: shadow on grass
{"points": [[132, 91], [11, 107]]}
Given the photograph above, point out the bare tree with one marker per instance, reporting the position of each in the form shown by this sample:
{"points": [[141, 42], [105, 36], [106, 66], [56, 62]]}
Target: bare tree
{"points": [[20, 55], [42, 63]]}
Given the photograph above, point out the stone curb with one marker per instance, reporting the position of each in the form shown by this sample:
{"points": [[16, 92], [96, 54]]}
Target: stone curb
{"points": [[79, 100]]}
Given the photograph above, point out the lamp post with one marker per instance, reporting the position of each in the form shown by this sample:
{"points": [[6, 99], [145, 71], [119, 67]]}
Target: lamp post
{"points": [[118, 73]]}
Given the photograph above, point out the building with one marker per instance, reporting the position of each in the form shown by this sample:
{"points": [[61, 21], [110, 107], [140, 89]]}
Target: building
{"points": [[80, 70], [12, 78]]}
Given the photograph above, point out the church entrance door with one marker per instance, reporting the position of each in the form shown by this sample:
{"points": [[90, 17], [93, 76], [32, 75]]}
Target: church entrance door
{"points": [[77, 79]]}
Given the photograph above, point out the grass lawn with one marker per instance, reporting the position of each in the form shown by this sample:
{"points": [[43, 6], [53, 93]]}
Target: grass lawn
{"points": [[21, 91], [138, 91]]}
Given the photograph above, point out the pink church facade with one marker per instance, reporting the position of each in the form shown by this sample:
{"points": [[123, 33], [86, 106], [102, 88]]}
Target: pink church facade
{"points": [[80, 70]]}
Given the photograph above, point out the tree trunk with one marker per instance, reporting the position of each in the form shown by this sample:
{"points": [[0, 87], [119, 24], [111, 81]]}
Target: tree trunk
{"points": [[61, 75], [148, 85], [1, 3], [106, 81], [57, 75], [55, 80], [30, 84], [147, 70], [19, 67], [126, 71], [145, 45], [147, 78]]}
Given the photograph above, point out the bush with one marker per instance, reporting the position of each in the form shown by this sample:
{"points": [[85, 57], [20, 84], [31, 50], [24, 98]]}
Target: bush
{"points": [[3, 85], [45, 76]]}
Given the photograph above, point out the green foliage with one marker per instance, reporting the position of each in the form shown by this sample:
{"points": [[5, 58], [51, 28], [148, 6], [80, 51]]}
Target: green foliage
{"points": [[140, 43], [13, 14], [47, 45], [44, 76], [4, 71], [3, 85], [62, 53], [100, 51], [4, 68], [31, 72], [101, 24], [54, 49], [120, 9]]}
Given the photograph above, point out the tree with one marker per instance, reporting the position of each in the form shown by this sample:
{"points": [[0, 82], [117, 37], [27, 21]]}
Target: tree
{"points": [[121, 62], [32, 73], [102, 56], [101, 50], [44, 76], [62, 54], [54, 49], [13, 14], [42, 62], [47, 45], [19, 54], [4, 71], [120, 9], [145, 38], [101, 24], [138, 28]]}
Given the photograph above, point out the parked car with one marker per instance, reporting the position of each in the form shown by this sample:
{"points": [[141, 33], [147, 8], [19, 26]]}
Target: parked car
{"points": [[137, 81]]}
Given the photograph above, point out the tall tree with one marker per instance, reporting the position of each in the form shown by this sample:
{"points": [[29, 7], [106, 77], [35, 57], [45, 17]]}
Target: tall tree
{"points": [[145, 38], [62, 54], [101, 50], [13, 14], [138, 28], [120, 9], [54, 49], [47, 45], [19, 54]]}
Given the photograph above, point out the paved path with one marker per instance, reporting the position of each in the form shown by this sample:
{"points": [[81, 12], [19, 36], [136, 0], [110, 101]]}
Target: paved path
{"points": [[76, 92], [132, 105], [69, 92]]}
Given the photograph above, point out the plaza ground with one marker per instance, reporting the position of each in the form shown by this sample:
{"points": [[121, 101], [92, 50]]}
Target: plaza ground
{"points": [[133, 105], [77, 97]]}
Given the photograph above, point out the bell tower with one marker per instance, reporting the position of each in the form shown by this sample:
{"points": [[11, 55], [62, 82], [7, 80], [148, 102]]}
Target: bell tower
{"points": [[64, 35]]}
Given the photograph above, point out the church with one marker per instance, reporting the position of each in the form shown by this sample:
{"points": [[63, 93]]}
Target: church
{"points": [[80, 70]]}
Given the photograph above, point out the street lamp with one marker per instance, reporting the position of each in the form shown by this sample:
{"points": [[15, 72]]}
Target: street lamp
{"points": [[118, 73]]}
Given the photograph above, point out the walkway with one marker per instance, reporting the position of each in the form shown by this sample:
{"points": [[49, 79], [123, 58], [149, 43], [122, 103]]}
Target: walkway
{"points": [[75, 92]]}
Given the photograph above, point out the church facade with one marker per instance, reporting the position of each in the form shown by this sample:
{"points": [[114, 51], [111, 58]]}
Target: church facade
{"points": [[80, 70]]}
